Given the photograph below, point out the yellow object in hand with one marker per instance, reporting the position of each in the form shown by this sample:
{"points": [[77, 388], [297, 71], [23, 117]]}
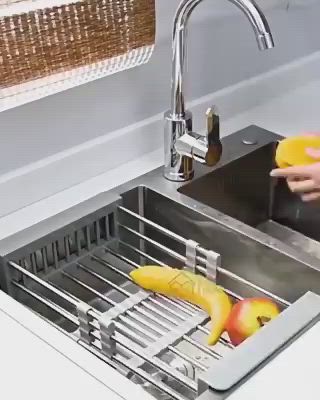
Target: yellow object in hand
{"points": [[293, 151], [190, 287]]}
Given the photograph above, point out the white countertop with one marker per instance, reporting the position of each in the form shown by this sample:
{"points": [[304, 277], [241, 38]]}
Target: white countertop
{"points": [[26, 360], [31, 369], [292, 375], [39, 362]]}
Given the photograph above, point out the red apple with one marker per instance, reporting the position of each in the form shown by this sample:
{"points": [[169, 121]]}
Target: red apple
{"points": [[248, 316]]}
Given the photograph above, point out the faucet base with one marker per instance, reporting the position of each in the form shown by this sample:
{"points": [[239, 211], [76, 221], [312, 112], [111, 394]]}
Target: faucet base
{"points": [[178, 167], [179, 176]]}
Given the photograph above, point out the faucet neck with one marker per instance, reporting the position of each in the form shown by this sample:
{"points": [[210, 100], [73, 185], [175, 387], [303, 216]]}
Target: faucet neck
{"points": [[179, 57], [179, 60]]}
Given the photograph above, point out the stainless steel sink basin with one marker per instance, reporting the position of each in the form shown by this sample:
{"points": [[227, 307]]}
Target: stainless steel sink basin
{"points": [[242, 188], [73, 271], [246, 257]]}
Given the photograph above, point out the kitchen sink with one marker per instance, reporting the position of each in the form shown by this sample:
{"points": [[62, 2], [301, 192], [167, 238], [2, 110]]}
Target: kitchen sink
{"points": [[242, 188], [72, 271]]}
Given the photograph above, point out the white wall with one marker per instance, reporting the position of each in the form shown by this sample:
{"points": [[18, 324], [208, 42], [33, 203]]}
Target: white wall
{"points": [[222, 52]]}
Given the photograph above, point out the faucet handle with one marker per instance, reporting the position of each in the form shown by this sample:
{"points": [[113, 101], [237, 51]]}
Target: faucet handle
{"points": [[204, 149], [213, 137], [213, 124]]}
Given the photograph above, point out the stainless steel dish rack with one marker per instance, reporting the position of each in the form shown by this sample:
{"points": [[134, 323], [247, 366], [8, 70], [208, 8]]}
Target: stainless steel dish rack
{"points": [[73, 271]]}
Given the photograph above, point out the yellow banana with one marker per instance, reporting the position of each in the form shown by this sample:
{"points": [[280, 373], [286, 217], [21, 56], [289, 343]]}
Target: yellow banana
{"points": [[189, 287]]}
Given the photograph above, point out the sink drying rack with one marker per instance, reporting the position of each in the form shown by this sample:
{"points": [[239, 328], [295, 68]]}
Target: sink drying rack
{"points": [[77, 278]]}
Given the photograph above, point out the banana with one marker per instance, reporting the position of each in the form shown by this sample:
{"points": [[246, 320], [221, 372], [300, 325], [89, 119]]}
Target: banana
{"points": [[190, 287]]}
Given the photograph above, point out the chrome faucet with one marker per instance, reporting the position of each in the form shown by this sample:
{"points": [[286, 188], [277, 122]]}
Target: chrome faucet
{"points": [[182, 145]]}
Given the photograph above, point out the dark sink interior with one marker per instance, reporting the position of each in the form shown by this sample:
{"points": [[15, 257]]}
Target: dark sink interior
{"points": [[244, 190]]}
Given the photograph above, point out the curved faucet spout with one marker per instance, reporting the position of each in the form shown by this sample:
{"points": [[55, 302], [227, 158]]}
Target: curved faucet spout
{"points": [[248, 7], [183, 145]]}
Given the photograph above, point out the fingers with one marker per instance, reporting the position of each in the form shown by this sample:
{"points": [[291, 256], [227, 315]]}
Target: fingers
{"points": [[303, 180], [314, 153], [311, 196], [311, 134], [291, 172], [304, 186]]}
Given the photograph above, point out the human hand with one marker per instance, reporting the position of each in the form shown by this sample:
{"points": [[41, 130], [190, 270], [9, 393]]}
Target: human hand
{"points": [[303, 180]]}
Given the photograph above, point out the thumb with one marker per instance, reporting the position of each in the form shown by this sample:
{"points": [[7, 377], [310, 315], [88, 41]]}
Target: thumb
{"points": [[311, 134], [314, 153]]}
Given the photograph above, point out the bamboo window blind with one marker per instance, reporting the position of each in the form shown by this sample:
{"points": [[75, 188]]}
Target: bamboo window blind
{"points": [[47, 46]]}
